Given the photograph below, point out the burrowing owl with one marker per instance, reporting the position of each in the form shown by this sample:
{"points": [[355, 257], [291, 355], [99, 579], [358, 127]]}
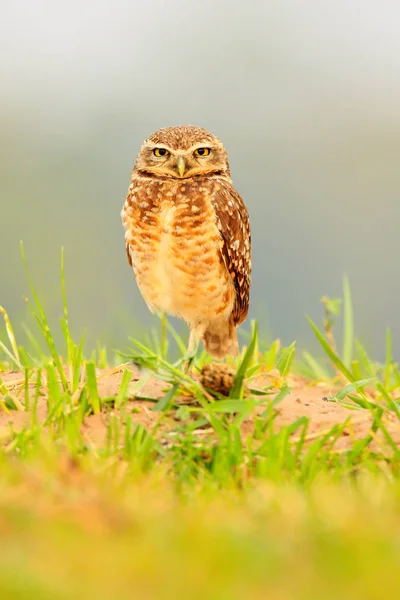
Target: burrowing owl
{"points": [[187, 235]]}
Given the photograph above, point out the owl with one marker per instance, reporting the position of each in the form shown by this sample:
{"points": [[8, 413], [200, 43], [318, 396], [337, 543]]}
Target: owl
{"points": [[187, 235]]}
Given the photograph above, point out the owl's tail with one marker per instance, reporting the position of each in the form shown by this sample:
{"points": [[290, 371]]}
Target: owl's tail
{"points": [[220, 339]]}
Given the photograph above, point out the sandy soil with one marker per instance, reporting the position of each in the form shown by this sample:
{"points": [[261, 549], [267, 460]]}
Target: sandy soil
{"points": [[305, 399]]}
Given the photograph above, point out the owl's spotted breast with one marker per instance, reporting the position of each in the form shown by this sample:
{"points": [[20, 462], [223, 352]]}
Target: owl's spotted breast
{"points": [[175, 247]]}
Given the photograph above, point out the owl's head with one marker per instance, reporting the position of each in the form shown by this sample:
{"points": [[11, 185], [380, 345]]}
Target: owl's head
{"points": [[182, 152]]}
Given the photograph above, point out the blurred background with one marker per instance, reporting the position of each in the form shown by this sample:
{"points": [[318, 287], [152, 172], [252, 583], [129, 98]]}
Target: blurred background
{"points": [[305, 96]]}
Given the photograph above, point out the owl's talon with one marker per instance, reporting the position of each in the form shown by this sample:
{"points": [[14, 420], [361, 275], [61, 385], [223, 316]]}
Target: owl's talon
{"points": [[187, 366]]}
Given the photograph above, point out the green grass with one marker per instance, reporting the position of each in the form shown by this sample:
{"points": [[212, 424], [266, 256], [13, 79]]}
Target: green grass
{"points": [[194, 505]]}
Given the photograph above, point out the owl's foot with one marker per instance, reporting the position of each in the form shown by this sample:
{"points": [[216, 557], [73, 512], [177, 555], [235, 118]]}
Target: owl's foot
{"points": [[187, 366]]}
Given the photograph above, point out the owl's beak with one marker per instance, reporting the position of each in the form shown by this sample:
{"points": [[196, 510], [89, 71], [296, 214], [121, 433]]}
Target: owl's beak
{"points": [[181, 166]]}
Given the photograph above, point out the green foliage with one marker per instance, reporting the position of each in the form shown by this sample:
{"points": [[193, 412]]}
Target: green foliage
{"points": [[207, 452]]}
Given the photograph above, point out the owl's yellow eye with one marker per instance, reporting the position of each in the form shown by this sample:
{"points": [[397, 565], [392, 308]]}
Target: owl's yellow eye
{"points": [[202, 152], [159, 152]]}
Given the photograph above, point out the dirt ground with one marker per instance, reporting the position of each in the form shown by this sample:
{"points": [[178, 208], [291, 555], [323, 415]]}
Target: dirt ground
{"points": [[305, 399]]}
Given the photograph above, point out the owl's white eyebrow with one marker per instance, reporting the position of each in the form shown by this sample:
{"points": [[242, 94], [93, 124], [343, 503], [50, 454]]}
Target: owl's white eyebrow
{"points": [[162, 146], [202, 145]]}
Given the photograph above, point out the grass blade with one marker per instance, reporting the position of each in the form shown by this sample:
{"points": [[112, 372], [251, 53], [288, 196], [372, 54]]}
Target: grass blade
{"points": [[237, 389], [10, 334], [348, 325], [166, 401], [41, 320], [286, 359], [123, 392], [91, 386], [389, 359], [334, 358], [318, 371], [351, 387]]}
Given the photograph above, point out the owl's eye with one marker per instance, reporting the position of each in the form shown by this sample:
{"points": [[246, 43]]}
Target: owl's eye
{"points": [[202, 152], [160, 152]]}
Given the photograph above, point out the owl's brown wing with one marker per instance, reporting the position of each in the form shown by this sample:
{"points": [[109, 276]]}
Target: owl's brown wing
{"points": [[234, 226], [128, 254]]}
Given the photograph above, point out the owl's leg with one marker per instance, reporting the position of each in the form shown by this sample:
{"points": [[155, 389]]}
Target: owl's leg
{"points": [[192, 342], [191, 350]]}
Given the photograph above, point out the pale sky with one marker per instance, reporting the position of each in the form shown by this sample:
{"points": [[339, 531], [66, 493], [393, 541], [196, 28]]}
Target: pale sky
{"points": [[305, 95]]}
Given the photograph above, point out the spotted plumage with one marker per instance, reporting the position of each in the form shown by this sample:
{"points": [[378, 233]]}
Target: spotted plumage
{"points": [[187, 235]]}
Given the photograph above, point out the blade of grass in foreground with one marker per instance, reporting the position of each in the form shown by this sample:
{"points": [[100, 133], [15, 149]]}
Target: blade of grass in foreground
{"points": [[166, 401], [91, 385], [286, 359], [369, 369], [11, 337], [123, 392], [318, 371], [40, 318], [351, 387], [334, 358], [162, 369], [237, 389], [270, 357], [389, 359], [348, 325]]}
